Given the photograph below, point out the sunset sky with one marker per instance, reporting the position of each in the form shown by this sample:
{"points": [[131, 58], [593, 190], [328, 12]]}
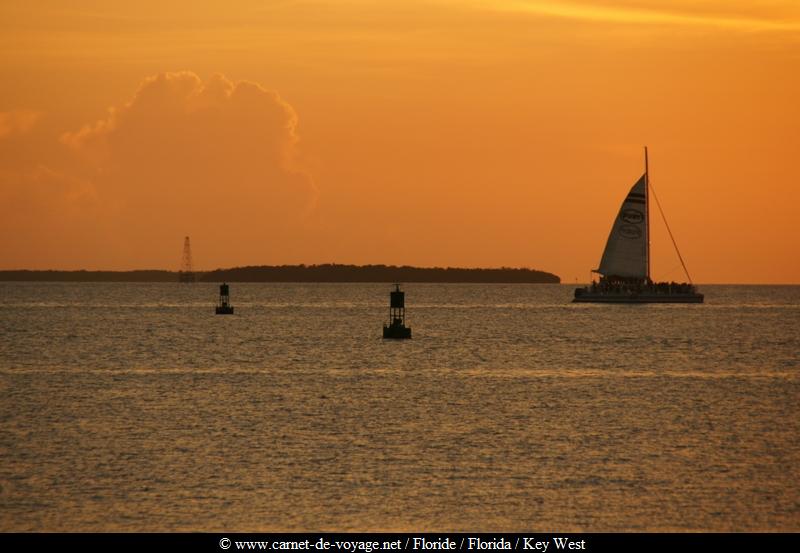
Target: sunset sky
{"points": [[425, 132]]}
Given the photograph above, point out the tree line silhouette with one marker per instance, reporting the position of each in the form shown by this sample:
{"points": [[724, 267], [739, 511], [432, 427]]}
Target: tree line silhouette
{"points": [[301, 273]]}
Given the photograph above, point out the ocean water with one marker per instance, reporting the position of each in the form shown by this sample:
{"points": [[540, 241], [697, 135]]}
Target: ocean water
{"points": [[132, 407]]}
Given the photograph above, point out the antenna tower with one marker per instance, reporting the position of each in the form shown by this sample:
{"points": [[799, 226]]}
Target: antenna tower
{"points": [[186, 274]]}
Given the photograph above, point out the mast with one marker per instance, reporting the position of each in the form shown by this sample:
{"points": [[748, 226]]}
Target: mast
{"points": [[647, 210]]}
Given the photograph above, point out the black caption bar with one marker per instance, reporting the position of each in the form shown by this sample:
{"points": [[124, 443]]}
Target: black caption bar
{"points": [[547, 542]]}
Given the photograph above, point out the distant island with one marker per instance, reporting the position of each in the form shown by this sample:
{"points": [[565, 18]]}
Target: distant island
{"points": [[300, 273]]}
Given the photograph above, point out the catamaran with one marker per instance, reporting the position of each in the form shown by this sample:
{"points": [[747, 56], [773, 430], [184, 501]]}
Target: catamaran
{"points": [[625, 266]]}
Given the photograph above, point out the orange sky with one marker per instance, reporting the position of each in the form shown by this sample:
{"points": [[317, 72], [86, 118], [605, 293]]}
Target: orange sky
{"points": [[424, 132]]}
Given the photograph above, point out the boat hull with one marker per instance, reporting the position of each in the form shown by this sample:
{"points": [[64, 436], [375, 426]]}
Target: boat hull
{"points": [[584, 296]]}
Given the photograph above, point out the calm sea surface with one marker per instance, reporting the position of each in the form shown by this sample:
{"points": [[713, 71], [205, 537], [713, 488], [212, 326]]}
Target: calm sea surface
{"points": [[133, 407]]}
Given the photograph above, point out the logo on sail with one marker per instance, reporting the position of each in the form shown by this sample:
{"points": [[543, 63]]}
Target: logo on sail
{"points": [[631, 216], [630, 231]]}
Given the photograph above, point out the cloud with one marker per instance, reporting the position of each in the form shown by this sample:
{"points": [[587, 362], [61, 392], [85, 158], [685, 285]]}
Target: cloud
{"points": [[18, 121], [181, 134], [667, 14], [215, 159]]}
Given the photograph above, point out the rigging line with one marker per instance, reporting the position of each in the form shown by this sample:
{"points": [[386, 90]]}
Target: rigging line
{"points": [[664, 218]]}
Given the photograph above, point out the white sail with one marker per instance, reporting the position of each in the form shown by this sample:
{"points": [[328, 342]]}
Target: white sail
{"points": [[626, 250]]}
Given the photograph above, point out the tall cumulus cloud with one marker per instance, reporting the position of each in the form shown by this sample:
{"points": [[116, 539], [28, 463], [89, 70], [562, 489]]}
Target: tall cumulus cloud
{"points": [[217, 160]]}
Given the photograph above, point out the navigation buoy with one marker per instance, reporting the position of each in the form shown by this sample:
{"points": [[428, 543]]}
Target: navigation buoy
{"points": [[397, 316], [224, 306]]}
